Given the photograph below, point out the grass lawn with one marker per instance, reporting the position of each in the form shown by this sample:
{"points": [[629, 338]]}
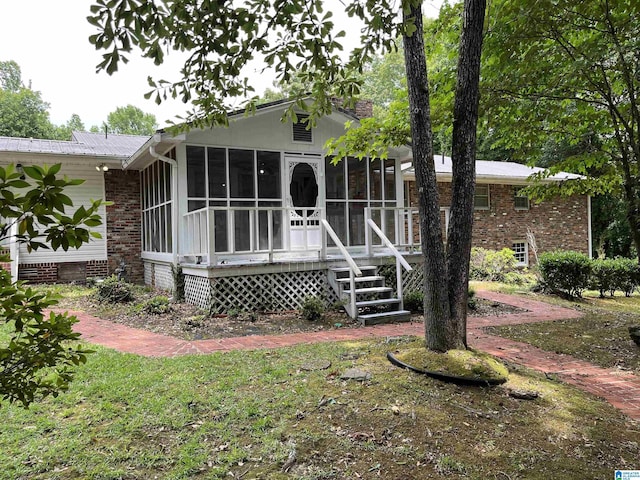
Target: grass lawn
{"points": [[244, 414], [600, 337]]}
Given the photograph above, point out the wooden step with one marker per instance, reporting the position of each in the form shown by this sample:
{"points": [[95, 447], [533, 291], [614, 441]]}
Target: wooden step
{"points": [[385, 317], [374, 278], [343, 272], [376, 303], [369, 290]]}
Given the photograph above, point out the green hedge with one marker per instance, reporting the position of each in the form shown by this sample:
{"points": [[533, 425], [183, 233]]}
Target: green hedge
{"points": [[611, 274], [571, 273], [565, 272]]}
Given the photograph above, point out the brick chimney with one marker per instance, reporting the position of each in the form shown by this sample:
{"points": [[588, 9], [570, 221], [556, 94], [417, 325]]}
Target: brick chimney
{"points": [[364, 108]]}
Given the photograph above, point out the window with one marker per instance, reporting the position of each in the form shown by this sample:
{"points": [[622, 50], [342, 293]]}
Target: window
{"points": [[520, 200], [481, 199], [521, 252], [157, 204], [353, 185], [247, 181], [300, 131]]}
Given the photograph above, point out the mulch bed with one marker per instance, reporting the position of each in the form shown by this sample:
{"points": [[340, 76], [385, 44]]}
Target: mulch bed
{"points": [[192, 323]]}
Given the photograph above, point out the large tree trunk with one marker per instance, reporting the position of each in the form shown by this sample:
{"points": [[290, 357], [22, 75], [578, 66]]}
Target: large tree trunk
{"points": [[463, 156], [446, 279], [439, 332]]}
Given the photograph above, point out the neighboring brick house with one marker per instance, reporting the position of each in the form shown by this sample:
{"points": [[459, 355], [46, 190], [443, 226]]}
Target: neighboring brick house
{"points": [[98, 161], [504, 218]]}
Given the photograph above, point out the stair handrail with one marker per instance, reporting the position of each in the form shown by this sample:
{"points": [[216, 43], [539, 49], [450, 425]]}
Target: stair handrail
{"points": [[400, 260], [354, 270]]}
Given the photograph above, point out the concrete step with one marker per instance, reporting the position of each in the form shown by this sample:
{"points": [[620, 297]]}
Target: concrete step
{"points": [[385, 317]]}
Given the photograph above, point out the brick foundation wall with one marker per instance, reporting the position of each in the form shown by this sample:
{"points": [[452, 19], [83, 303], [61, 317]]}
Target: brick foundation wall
{"points": [[63, 272], [38, 272], [560, 223], [124, 222]]}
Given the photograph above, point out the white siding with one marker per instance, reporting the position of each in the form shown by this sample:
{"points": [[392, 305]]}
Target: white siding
{"points": [[92, 188]]}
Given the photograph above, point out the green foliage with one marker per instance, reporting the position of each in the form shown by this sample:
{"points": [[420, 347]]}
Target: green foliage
{"points": [[131, 120], [627, 275], [297, 39], [492, 265], [157, 305], [37, 360], [24, 114], [565, 272], [604, 275], [10, 76], [414, 301], [565, 78], [113, 290], [312, 308]]}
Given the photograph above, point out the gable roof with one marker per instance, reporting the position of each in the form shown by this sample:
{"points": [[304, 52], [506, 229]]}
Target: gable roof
{"points": [[490, 171], [82, 144]]}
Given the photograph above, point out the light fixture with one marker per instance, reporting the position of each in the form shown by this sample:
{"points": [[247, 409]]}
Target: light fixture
{"points": [[102, 168]]}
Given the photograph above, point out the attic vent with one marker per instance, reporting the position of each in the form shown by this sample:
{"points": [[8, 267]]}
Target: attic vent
{"points": [[300, 131]]}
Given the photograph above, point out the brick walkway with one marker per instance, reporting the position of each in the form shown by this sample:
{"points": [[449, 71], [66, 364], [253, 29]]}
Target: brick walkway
{"points": [[620, 389]]}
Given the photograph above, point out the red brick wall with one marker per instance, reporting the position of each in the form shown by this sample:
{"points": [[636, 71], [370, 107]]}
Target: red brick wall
{"points": [[124, 223], [62, 272], [561, 223]]}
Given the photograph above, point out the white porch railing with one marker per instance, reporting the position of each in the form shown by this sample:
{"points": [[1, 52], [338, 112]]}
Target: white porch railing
{"points": [[226, 231], [211, 234], [400, 261]]}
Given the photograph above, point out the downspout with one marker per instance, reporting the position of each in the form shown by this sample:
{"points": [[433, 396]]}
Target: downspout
{"points": [[174, 198]]}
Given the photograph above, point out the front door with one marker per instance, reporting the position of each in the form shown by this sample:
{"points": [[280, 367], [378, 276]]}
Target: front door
{"points": [[304, 193]]}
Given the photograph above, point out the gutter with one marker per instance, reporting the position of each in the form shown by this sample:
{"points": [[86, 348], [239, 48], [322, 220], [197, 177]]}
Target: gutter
{"points": [[174, 194]]}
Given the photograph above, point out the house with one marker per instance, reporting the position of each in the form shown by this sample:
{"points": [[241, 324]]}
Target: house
{"points": [[503, 217], [256, 216]]}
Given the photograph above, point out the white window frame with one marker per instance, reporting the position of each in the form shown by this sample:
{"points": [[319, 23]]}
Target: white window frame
{"points": [[517, 196], [488, 197], [524, 250]]}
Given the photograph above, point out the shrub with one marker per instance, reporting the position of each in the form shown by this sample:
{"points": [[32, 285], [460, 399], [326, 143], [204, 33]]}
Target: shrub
{"points": [[113, 290], [414, 302], [565, 272], [603, 275], [492, 265], [157, 305], [312, 309], [627, 275], [472, 301]]}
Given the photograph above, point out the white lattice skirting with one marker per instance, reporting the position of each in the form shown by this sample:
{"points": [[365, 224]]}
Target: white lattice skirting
{"points": [[270, 291], [412, 281]]}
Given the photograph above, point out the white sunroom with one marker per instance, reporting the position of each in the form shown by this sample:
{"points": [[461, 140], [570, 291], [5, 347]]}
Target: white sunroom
{"points": [[257, 215]]}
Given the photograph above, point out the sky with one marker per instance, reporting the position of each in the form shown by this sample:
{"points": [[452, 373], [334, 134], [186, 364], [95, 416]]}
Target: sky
{"points": [[49, 40]]}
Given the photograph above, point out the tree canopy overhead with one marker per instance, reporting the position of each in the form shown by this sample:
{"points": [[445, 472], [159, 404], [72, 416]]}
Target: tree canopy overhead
{"points": [[566, 73], [299, 37]]}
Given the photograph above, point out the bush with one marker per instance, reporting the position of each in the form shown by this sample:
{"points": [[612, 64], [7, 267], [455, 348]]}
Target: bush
{"points": [[627, 275], [565, 272], [414, 302], [157, 305], [492, 265], [603, 275], [113, 290], [312, 309]]}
